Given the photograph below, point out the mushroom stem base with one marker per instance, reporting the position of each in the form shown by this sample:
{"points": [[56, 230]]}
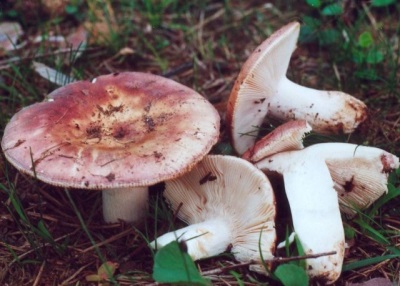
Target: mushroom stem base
{"points": [[205, 239], [128, 204]]}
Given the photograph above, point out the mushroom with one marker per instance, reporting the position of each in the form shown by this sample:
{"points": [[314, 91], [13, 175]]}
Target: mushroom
{"points": [[359, 180], [286, 137], [119, 133], [360, 173], [262, 89], [314, 201], [225, 201]]}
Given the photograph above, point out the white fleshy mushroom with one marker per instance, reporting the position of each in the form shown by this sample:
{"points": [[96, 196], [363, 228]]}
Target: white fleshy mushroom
{"points": [[119, 133], [314, 197], [225, 201], [315, 210], [262, 89]]}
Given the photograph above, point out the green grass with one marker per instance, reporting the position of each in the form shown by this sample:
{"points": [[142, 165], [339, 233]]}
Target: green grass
{"points": [[50, 235]]}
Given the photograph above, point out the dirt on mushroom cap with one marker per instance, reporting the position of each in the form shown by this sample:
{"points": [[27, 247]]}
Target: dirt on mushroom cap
{"points": [[119, 130]]}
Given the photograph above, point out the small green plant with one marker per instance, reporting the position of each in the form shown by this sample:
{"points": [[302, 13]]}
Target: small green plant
{"points": [[382, 3], [313, 28], [104, 273], [291, 275], [357, 42], [36, 234], [172, 264]]}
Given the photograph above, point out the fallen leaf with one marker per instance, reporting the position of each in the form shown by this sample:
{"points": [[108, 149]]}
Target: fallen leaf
{"points": [[373, 282], [107, 270], [76, 41], [104, 272], [54, 7], [51, 74], [9, 35], [102, 24], [126, 51]]}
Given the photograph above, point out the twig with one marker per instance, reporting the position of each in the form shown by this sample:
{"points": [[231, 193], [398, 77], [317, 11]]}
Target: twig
{"points": [[68, 280], [39, 276], [372, 19], [111, 239], [178, 70], [273, 260], [42, 246]]}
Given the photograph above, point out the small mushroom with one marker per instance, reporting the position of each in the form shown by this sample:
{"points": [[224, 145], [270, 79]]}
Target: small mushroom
{"points": [[313, 196], [286, 137], [225, 201], [262, 89], [119, 133]]}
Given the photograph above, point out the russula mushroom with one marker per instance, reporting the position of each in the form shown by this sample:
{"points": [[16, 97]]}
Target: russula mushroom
{"points": [[262, 89], [225, 201], [360, 173], [359, 178], [286, 137], [314, 196], [315, 210], [119, 133]]}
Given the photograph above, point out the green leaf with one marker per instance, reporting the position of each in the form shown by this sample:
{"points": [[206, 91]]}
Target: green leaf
{"points": [[334, 9], [382, 3], [368, 261], [395, 250], [314, 3], [365, 40], [392, 193], [71, 9], [291, 275], [44, 232], [371, 232], [368, 74], [349, 232], [329, 37], [374, 57], [173, 265], [312, 22], [300, 251]]}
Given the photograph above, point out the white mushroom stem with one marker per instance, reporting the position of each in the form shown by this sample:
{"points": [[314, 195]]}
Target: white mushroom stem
{"points": [[225, 201], [326, 111], [128, 204], [205, 239], [315, 209]]}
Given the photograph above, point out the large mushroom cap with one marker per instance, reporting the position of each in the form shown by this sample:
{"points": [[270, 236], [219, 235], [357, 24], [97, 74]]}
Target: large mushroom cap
{"points": [[120, 130]]}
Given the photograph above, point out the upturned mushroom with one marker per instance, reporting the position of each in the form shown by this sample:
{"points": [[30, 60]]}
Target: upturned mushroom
{"points": [[359, 180], [119, 133], [225, 201], [313, 200], [262, 89], [286, 137]]}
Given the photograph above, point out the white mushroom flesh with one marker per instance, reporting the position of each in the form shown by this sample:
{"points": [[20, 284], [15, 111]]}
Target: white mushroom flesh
{"points": [[225, 201], [315, 209]]}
